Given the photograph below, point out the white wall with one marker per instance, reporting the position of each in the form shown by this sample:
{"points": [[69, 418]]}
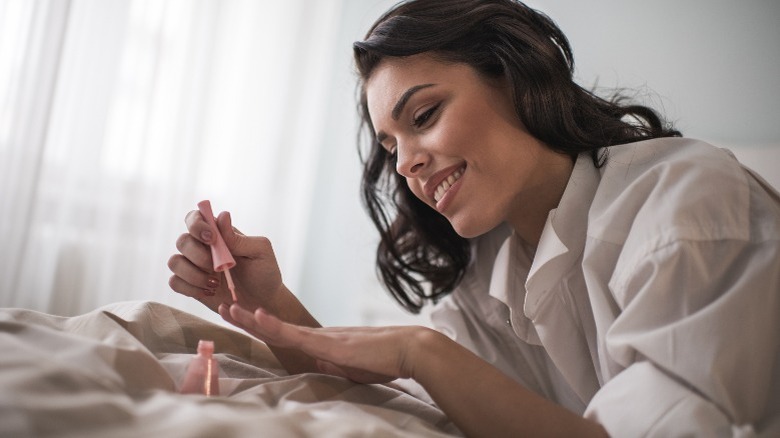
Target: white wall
{"points": [[714, 66], [714, 63]]}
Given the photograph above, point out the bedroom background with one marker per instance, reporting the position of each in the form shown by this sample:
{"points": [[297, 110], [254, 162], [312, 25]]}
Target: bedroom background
{"points": [[117, 116]]}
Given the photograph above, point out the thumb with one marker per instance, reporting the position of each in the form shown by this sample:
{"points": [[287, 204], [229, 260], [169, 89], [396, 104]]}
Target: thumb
{"points": [[239, 244]]}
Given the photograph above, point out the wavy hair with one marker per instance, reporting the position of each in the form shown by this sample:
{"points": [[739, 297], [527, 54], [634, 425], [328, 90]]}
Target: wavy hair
{"points": [[420, 257]]}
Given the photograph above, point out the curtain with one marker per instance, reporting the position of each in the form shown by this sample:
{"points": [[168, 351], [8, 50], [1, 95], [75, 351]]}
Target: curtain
{"points": [[118, 116]]}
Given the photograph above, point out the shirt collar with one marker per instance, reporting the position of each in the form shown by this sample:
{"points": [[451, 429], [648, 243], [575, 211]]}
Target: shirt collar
{"points": [[520, 279], [563, 236], [507, 284]]}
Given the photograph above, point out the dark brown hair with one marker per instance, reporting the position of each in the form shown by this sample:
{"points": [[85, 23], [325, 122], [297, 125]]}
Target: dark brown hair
{"points": [[420, 257]]}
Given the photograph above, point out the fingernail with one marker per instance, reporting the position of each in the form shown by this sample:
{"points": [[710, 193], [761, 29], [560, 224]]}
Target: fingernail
{"points": [[206, 236], [213, 282], [209, 292]]}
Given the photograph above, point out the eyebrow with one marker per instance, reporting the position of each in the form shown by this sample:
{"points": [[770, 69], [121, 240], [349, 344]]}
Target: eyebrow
{"points": [[399, 106]]}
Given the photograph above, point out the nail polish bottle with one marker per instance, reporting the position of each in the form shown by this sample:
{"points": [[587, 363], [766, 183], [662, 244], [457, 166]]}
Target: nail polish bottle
{"points": [[202, 376]]}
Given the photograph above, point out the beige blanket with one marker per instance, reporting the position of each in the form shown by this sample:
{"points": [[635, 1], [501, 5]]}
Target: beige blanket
{"points": [[114, 372]]}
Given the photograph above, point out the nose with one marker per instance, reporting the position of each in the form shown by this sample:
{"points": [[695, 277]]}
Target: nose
{"points": [[411, 160]]}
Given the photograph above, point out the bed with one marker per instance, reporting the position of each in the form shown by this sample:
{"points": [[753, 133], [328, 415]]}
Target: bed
{"points": [[115, 372]]}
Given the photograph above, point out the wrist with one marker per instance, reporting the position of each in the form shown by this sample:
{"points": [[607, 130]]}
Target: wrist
{"points": [[287, 307], [423, 353]]}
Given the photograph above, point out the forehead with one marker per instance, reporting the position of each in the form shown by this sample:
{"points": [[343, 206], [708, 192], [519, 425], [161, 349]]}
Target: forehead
{"points": [[393, 76]]}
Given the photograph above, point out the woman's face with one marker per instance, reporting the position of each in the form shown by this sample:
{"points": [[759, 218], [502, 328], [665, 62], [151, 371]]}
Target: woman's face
{"points": [[459, 143]]}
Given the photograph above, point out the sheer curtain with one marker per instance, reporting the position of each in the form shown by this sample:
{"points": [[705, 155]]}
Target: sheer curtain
{"points": [[117, 116]]}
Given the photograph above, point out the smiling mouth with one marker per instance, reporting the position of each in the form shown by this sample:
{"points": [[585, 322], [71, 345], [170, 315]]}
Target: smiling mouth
{"points": [[445, 185]]}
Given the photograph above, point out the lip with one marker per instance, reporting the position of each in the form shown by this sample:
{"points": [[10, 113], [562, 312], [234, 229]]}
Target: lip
{"points": [[430, 186]]}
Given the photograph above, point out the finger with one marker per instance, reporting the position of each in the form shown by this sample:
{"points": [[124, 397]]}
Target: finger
{"points": [[225, 224], [198, 253], [275, 328], [316, 342], [255, 247], [183, 268], [229, 234], [198, 227], [180, 286], [224, 312], [267, 328], [239, 317]]}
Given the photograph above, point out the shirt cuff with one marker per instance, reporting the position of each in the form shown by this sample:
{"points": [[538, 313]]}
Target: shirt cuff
{"points": [[644, 401]]}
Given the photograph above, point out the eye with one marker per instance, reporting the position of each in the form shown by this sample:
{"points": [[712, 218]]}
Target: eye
{"points": [[425, 116], [389, 152]]}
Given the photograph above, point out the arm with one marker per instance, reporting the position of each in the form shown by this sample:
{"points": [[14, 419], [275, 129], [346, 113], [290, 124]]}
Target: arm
{"points": [[696, 340], [689, 317], [480, 399]]}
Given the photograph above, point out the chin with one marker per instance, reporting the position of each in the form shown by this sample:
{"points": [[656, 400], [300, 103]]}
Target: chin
{"points": [[468, 230]]}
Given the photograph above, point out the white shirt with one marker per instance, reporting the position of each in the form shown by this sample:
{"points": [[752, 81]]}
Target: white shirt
{"points": [[652, 303]]}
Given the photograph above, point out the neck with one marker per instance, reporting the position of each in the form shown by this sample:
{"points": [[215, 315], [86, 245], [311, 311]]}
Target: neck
{"points": [[530, 216]]}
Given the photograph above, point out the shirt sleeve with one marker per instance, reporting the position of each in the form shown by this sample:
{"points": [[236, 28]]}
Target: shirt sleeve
{"points": [[697, 337]]}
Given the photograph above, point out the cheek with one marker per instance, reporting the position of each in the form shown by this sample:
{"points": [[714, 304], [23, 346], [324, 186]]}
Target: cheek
{"points": [[416, 187], [454, 137]]}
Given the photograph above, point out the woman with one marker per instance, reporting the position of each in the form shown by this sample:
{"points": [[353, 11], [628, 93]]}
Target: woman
{"points": [[601, 274]]}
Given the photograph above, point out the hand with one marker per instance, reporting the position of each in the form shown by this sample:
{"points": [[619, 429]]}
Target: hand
{"points": [[256, 274], [361, 354]]}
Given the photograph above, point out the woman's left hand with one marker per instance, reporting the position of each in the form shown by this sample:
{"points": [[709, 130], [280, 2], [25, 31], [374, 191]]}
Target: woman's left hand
{"points": [[361, 354]]}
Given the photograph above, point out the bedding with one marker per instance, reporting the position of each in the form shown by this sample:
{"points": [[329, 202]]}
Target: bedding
{"points": [[114, 372]]}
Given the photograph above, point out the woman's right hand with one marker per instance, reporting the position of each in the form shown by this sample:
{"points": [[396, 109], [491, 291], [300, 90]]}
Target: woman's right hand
{"points": [[257, 277]]}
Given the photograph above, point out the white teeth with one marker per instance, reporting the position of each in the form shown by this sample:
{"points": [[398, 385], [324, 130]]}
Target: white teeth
{"points": [[446, 184]]}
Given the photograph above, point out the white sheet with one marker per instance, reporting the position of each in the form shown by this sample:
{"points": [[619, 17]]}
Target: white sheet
{"points": [[114, 372]]}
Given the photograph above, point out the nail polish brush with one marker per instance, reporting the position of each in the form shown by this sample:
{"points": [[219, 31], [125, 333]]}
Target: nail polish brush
{"points": [[223, 260]]}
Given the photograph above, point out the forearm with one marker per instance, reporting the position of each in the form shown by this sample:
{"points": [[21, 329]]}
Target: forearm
{"points": [[481, 400]]}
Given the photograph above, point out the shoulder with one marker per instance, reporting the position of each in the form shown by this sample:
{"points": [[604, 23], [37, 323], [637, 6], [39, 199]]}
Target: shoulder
{"points": [[670, 188], [673, 162], [683, 205]]}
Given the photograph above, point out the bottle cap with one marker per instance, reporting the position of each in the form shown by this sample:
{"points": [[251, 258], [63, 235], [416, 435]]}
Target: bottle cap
{"points": [[205, 348]]}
